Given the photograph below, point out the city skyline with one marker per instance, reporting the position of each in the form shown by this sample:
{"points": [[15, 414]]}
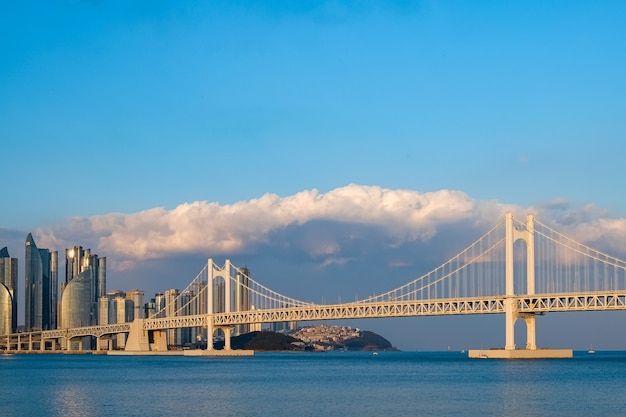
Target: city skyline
{"points": [[337, 149]]}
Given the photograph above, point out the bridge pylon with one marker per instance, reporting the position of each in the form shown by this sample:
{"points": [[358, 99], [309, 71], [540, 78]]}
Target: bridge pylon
{"points": [[526, 233], [214, 272], [512, 235]]}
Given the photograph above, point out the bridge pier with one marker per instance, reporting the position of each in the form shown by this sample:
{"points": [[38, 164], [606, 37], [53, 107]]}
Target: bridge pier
{"points": [[209, 329], [510, 313], [98, 343], [159, 340], [227, 333], [137, 338], [531, 333]]}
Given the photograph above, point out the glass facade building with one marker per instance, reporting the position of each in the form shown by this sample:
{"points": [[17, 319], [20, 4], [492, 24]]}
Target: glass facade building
{"points": [[85, 284], [136, 296], [242, 298], [171, 310], [41, 283], [8, 292]]}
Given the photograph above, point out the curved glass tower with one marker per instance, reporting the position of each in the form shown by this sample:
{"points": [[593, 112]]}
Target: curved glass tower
{"points": [[8, 292], [77, 307], [85, 284]]}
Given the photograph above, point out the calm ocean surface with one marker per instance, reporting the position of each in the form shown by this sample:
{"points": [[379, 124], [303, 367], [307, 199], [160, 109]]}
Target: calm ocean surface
{"points": [[312, 384]]}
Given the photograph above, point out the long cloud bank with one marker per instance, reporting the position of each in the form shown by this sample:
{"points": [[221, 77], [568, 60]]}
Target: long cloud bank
{"points": [[320, 225]]}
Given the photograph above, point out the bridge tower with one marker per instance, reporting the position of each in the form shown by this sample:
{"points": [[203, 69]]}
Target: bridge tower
{"points": [[512, 235], [213, 273], [526, 233]]}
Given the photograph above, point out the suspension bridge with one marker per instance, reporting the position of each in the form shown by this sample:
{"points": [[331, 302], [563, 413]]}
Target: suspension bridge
{"points": [[519, 268]]}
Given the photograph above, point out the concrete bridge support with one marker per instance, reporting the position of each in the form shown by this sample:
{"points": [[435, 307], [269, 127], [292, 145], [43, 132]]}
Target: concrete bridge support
{"points": [[138, 340], [158, 341], [227, 334], [510, 309], [531, 338]]}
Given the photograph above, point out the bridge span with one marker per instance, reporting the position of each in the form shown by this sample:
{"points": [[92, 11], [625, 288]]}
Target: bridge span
{"points": [[520, 269]]}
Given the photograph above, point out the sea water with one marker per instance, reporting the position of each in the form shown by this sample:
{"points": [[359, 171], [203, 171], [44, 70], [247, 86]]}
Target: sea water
{"points": [[312, 384]]}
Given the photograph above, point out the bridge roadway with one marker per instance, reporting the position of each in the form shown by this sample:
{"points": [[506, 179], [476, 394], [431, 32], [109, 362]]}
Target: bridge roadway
{"points": [[526, 304], [537, 303]]}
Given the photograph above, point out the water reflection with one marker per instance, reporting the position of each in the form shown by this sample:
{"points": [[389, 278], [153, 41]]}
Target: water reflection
{"points": [[74, 400]]}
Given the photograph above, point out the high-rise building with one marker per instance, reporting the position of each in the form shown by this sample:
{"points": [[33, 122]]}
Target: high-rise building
{"points": [[219, 297], [155, 307], [136, 296], [85, 284], [171, 310], [242, 297], [8, 292], [41, 278], [159, 301], [106, 311], [149, 309], [198, 305], [120, 307], [124, 310], [187, 334]]}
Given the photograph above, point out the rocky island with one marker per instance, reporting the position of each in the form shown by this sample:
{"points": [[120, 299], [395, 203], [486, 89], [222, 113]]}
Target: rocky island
{"points": [[313, 338]]}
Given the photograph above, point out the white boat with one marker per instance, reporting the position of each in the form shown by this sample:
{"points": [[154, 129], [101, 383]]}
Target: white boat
{"points": [[591, 350]]}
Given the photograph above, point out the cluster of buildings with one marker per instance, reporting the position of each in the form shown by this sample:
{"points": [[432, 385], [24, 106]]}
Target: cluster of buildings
{"points": [[46, 308], [323, 337], [82, 300]]}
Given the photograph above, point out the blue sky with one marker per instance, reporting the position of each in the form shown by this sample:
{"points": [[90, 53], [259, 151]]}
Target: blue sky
{"points": [[118, 117]]}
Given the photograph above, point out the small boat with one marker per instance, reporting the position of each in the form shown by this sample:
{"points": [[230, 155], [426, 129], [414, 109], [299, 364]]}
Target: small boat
{"points": [[375, 353], [591, 350]]}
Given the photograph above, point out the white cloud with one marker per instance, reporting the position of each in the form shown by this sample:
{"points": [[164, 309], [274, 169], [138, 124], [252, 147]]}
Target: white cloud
{"points": [[332, 227], [212, 228]]}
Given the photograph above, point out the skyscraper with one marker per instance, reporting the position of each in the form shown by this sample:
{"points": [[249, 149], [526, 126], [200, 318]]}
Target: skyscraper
{"points": [[41, 278], [8, 292], [85, 284], [159, 304], [242, 297], [136, 296], [171, 310]]}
